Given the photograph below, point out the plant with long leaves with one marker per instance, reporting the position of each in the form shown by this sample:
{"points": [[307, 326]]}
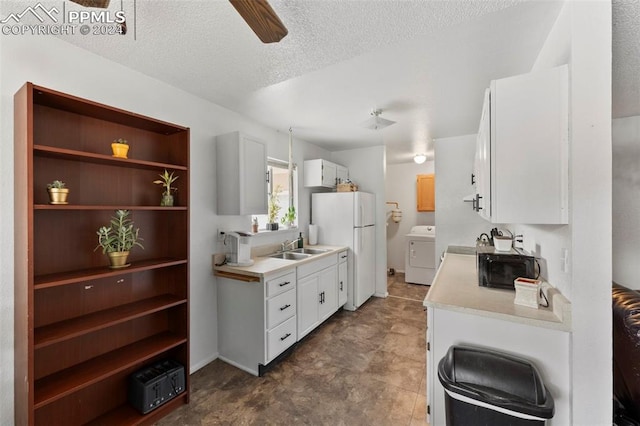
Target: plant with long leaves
{"points": [[166, 180], [120, 235]]}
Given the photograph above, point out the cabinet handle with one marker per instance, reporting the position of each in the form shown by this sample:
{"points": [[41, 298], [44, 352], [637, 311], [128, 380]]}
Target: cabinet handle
{"points": [[88, 287], [323, 297], [285, 307], [340, 285], [473, 179], [268, 177], [284, 283], [285, 336], [344, 256], [478, 198], [320, 298]]}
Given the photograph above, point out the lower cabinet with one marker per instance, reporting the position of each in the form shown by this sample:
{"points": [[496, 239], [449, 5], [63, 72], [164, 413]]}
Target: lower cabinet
{"points": [[317, 293], [343, 277], [261, 317], [256, 318]]}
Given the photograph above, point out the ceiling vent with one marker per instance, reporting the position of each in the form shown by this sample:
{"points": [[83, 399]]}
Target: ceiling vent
{"points": [[376, 122]]}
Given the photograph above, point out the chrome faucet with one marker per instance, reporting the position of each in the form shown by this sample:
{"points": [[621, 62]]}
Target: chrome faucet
{"points": [[287, 245]]}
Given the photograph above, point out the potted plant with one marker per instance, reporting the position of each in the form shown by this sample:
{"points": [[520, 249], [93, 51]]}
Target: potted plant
{"points": [[274, 208], [57, 192], [120, 147], [289, 217], [166, 179], [118, 238]]}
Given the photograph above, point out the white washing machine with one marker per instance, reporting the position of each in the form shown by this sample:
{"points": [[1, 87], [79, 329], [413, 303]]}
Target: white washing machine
{"points": [[420, 255]]}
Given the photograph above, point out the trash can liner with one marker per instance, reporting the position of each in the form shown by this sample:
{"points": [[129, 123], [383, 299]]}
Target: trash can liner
{"points": [[495, 380]]}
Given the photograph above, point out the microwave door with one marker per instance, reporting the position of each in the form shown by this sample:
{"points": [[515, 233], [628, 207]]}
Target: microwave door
{"points": [[502, 273]]}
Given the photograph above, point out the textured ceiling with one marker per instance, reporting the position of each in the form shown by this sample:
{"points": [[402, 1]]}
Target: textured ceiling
{"points": [[425, 63]]}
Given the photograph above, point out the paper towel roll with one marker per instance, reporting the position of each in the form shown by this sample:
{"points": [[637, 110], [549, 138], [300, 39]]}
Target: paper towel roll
{"points": [[313, 235]]}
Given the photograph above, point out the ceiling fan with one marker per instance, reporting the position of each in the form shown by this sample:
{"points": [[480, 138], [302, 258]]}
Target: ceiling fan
{"points": [[258, 14], [262, 19]]}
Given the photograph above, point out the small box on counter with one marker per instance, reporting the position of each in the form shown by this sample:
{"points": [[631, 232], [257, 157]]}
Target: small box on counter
{"points": [[527, 290]]}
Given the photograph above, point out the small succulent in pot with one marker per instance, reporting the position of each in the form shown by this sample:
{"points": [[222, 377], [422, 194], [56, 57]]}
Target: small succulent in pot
{"points": [[120, 148], [118, 238], [58, 192], [166, 179]]}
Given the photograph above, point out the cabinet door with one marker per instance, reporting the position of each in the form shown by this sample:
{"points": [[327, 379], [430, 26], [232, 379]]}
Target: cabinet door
{"points": [[483, 161], [342, 174], [253, 177], [328, 174], [328, 292], [308, 301], [342, 279], [529, 148], [426, 193]]}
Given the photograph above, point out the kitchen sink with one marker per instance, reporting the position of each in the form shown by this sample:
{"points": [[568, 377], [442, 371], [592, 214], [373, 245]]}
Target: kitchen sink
{"points": [[310, 250], [290, 255]]}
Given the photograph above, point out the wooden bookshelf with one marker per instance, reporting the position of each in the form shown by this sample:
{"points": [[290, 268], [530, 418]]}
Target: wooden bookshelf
{"points": [[82, 328]]}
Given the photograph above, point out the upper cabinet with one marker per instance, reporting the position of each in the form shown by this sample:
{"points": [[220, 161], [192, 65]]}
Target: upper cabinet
{"points": [[425, 185], [521, 167], [241, 174], [324, 173]]}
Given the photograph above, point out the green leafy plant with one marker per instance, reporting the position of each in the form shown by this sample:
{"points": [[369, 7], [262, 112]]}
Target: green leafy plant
{"points": [[120, 235], [56, 184], [121, 140], [166, 180], [289, 216], [274, 204]]}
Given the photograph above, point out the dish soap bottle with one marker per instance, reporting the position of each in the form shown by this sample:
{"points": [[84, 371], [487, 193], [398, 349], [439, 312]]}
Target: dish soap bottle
{"points": [[300, 241]]}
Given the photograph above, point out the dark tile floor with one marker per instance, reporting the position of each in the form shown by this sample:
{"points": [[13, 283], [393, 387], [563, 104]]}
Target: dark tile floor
{"points": [[358, 368]]}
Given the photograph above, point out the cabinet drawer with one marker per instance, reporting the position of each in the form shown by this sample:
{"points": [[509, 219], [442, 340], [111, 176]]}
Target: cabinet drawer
{"points": [[280, 338], [280, 308], [281, 284]]}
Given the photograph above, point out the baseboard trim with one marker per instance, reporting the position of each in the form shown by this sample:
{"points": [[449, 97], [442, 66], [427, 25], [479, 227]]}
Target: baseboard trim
{"points": [[203, 363]]}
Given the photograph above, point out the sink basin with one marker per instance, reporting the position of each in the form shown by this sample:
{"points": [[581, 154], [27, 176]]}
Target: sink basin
{"points": [[290, 255], [310, 250]]}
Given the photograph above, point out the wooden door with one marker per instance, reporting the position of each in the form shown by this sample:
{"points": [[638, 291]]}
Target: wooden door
{"points": [[426, 193]]}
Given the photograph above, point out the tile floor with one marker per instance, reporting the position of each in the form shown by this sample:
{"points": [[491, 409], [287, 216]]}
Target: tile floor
{"points": [[358, 368]]}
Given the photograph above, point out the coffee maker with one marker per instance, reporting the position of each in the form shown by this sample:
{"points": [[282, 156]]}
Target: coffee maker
{"points": [[240, 243]]}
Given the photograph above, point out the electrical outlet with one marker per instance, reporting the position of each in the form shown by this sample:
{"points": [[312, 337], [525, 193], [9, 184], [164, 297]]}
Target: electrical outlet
{"points": [[221, 233]]}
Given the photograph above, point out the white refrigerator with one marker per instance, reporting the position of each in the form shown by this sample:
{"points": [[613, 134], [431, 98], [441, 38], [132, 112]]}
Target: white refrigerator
{"points": [[348, 219]]}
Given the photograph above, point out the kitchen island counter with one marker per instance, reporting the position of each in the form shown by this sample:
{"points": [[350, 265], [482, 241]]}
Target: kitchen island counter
{"points": [[455, 287]]}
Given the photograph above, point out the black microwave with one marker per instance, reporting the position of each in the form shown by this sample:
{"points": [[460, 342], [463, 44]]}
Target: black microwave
{"points": [[499, 270]]}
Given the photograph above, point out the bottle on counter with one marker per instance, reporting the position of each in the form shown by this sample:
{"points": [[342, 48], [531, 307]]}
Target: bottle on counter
{"points": [[300, 241]]}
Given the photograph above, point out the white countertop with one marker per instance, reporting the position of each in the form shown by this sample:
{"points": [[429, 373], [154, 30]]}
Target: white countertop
{"points": [[455, 287], [264, 265]]}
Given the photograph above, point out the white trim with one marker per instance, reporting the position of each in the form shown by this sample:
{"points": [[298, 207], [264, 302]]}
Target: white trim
{"points": [[195, 367], [241, 367], [492, 407]]}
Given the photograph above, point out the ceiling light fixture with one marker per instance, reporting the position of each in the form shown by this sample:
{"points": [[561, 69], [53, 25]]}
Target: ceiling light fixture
{"points": [[420, 158], [376, 122]]}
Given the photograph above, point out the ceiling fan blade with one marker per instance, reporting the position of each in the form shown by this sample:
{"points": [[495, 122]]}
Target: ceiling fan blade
{"points": [[262, 19], [102, 4]]}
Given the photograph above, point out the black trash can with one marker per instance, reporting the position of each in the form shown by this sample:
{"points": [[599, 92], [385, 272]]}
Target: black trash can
{"points": [[485, 387]]}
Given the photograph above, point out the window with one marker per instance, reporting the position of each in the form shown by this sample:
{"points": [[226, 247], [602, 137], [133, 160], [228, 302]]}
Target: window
{"points": [[279, 181]]}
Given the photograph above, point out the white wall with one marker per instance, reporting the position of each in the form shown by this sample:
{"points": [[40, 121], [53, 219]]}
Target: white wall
{"points": [[58, 65], [626, 201], [456, 222], [367, 169], [400, 184]]}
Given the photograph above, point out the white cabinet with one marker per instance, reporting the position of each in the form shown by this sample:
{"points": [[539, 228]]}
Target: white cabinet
{"points": [[256, 319], [522, 166], [343, 277], [241, 174], [317, 291], [342, 174], [324, 173]]}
